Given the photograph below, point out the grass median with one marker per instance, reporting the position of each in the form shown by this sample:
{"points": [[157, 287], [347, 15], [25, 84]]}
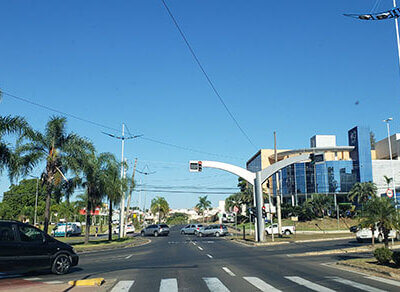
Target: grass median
{"points": [[371, 265], [101, 244]]}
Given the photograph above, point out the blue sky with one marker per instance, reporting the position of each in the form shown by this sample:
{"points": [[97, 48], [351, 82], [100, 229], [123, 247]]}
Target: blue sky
{"points": [[294, 67]]}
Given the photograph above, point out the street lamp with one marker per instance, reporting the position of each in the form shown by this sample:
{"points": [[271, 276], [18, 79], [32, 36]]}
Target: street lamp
{"points": [[391, 160]]}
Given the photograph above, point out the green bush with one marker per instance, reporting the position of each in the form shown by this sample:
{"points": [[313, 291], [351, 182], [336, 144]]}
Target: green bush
{"points": [[396, 258], [383, 255]]}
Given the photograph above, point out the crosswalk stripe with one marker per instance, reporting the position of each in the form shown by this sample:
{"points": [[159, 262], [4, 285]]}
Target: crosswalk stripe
{"points": [[32, 279], [260, 284], [384, 280], [308, 284], [169, 285], [53, 282], [122, 286], [215, 285], [228, 271], [356, 284]]}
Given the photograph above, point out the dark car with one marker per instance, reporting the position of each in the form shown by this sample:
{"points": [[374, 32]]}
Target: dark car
{"points": [[156, 230], [24, 248]]}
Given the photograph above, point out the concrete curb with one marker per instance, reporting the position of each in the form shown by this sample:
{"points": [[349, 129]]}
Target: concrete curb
{"points": [[255, 244], [367, 269]]}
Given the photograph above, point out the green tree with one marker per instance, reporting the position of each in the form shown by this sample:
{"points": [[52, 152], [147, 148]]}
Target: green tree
{"points": [[177, 218], [388, 180], [57, 149], [320, 204], [371, 216], [159, 205], [203, 205], [362, 192], [11, 125]]}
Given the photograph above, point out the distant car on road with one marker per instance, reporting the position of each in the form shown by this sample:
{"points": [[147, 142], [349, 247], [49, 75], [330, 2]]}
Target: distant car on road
{"points": [[25, 248], [191, 229], [366, 234], [73, 229], [213, 230], [287, 230], [156, 230], [128, 229]]}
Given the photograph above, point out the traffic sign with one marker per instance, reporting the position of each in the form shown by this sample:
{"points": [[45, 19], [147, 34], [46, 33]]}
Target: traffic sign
{"points": [[389, 193]]}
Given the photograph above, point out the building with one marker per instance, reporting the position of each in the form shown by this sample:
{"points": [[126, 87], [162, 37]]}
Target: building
{"points": [[331, 169]]}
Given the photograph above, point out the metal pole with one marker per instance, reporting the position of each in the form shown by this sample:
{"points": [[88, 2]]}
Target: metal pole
{"points": [[278, 196], [270, 215], [391, 160], [122, 206], [259, 202], [397, 32], [37, 192], [256, 238]]}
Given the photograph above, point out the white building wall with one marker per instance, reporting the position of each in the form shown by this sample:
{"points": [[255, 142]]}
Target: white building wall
{"points": [[323, 141], [380, 168], [382, 147]]}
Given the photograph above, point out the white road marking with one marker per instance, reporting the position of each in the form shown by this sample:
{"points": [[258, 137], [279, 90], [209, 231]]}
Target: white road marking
{"points": [[169, 285], [260, 284], [210, 256], [308, 284], [355, 284], [32, 279], [53, 282], [228, 271], [194, 242], [129, 256], [384, 280], [200, 247], [215, 285], [122, 286]]}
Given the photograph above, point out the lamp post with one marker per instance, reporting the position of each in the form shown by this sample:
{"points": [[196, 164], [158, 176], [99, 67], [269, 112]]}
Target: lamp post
{"points": [[391, 160]]}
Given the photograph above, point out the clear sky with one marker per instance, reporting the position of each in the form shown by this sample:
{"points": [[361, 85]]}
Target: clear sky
{"points": [[294, 67]]}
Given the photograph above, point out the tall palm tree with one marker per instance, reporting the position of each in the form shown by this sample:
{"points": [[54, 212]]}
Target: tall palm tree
{"points": [[362, 192], [203, 205], [94, 170], [57, 149], [10, 125], [159, 205]]}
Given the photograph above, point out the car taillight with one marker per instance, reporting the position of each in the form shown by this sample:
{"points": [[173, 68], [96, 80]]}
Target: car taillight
{"points": [[198, 228]]}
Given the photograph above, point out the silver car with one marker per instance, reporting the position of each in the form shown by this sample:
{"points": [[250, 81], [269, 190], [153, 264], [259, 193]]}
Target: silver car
{"points": [[213, 230], [156, 230], [191, 229]]}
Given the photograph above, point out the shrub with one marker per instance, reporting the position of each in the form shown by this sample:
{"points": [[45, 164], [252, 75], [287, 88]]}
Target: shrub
{"points": [[396, 258], [383, 255]]}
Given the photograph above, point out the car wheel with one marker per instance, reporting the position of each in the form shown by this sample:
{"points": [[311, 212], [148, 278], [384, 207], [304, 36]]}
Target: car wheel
{"points": [[217, 234], [61, 264], [287, 232], [200, 234], [183, 232], [380, 238], [267, 232], [142, 233], [155, 233]]}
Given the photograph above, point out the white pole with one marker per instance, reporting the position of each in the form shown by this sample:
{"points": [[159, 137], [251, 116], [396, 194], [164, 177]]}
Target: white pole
{"points": [[122, 206], [37, 191], [397, 32], [391, 161]]}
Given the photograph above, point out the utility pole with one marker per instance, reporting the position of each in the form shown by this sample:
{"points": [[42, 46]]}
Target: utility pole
{"points": [[278, 198], [131, 186], [37, 193]]}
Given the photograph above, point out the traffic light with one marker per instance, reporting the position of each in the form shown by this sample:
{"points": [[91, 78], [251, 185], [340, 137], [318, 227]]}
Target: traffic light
{"points": [[200, 167], [264, 212]]}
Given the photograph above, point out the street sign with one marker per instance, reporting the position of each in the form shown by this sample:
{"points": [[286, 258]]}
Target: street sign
{"points": [[389, 193]]}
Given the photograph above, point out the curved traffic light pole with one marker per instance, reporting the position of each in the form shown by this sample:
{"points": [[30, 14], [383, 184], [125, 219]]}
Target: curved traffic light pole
{"points": [[256, 179]]}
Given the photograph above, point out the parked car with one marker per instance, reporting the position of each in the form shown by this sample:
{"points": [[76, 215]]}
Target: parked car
{"points": [[25, 248], [228, 217], [156, 230], [354, 228], [366, 234], [73, 229], [287, 230], [213, 230], [191, 229], [128, 229]]}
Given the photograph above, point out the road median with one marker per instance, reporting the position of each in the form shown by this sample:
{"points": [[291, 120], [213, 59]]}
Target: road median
{"points": [[371, 266], [100, 245]]}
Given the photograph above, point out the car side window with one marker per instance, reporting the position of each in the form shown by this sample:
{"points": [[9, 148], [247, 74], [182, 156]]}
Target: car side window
{"points": [[6, 233], [30, 234]]}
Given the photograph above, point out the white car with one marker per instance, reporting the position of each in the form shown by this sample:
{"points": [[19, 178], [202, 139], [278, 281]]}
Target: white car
{"points": [[366, 233], [128, 229], [287, 230]]}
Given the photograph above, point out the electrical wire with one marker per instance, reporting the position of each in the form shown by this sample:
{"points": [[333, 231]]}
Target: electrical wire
{"points": [[210, 82]]}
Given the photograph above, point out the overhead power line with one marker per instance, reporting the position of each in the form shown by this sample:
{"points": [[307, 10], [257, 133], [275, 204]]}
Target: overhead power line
{"points": [[210, 82]]}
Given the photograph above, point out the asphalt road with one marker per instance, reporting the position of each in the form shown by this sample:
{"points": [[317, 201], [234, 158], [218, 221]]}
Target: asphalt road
{"points": [[189, 263]]}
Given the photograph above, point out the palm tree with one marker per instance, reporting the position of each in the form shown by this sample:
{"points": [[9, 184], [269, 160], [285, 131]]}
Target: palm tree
{"points": [[10, 125], [159, 205], [57, 149], [382, 212], [362, 192], [388, 180], [94, 170], [203, 205], [320, 203]]}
